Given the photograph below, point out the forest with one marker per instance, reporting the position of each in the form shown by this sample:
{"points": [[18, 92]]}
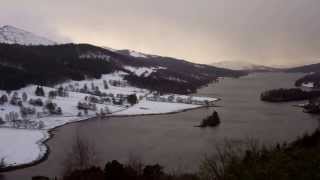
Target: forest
{"points": [[49, 65], [285, 95]]}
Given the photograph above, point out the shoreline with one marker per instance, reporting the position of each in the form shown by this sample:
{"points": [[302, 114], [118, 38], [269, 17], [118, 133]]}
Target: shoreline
{"points": [[50, 133]]}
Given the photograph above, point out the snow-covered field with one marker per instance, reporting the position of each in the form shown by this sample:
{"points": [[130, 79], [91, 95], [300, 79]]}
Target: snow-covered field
{"points": [[149, 107], [21, 145]]}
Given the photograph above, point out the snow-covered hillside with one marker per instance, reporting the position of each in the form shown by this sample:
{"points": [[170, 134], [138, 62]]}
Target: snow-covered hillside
{"points": [[13, 35], [241, 65], [143, 71], [136, 54]]}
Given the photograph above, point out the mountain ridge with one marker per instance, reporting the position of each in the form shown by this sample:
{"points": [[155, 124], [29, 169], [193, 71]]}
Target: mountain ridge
{"points": [[312, 79], [242, 65], [13, 35]]}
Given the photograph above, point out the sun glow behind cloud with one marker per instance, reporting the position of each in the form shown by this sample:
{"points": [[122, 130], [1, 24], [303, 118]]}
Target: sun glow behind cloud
{"points": [[204, 31]]}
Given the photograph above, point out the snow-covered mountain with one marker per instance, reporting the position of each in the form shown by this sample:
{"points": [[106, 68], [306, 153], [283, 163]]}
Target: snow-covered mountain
{"points": [[13, 35], [242, 65], [136, 54]]}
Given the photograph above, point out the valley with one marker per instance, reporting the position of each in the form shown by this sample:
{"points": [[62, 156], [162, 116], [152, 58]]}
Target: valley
{"points": [[51, 92]]}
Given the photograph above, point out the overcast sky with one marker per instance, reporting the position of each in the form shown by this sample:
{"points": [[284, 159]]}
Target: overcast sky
{"points": [[267, 32]]}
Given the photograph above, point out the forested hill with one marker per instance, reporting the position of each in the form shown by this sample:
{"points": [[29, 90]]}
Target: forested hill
{"points": [[305, 69], [312, 79], [48, 65]]}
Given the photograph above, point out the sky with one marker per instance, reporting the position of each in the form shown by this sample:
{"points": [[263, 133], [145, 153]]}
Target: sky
{"points": [[269, 32]]}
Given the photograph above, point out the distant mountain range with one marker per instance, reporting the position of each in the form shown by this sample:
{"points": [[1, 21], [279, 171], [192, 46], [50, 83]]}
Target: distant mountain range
{"points": [[242, 65], [311, 80], [21, 64], [13, 35]]}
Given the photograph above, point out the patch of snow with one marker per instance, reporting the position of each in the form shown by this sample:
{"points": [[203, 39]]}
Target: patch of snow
{"points": [[95, 55], [137, 54], [13, 35], [240, 65], [308, 85], [198, 98], [176, 79], [145, 71], [110, 49], [199, 66], [160, 67]]}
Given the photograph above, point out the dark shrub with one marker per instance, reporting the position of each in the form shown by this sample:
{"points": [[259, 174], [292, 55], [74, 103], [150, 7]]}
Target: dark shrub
{"points": [[114, 170], [93, 173]]}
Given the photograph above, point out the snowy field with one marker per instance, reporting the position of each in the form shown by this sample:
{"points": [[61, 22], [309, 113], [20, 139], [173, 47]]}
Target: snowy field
{"points": [[21, 145], [149, 107]]}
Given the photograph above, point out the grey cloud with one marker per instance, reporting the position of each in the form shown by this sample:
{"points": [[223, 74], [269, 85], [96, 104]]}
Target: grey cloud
{"points": [[204, 31]]}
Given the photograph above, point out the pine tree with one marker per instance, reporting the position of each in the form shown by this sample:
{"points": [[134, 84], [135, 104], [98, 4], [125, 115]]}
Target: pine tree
{"points": [[39, 91], [85, 87], [61, 91], [24, 96], [105, 84], [3, 99]]}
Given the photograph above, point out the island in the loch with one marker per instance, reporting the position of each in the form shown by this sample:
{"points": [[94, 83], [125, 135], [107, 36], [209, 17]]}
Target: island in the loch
{"points": [[211, 121], [295, 94]]}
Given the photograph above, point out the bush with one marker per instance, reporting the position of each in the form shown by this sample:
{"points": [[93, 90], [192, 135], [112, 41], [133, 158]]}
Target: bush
{"points": [[36, 102], [27, 111], [132, 99], [40, 178], [53, 108], [114, 170], [53, 94], [153, 172], [93, 173]]}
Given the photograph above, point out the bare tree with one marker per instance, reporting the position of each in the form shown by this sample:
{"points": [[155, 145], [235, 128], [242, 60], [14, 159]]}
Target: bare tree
{"points": [[135, 162], [82, 155], [213, 168], [2, 166]]}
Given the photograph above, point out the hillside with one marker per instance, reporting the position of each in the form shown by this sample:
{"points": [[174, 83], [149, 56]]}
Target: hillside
{"points": [[312, 79], [242, 65], [306, 69], [48, 65], [13, 35]]}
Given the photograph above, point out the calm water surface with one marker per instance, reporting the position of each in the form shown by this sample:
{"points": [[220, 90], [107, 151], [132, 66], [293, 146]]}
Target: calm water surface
{"points": [[173, 141]]}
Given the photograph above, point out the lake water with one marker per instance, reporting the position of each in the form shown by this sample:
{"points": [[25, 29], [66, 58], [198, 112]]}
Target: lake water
{"points": [[173, 141]]}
